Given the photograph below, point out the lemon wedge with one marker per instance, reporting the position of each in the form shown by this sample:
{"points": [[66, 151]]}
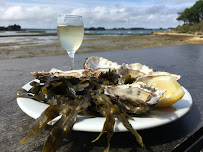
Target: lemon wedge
{"points": [[174, 91]]}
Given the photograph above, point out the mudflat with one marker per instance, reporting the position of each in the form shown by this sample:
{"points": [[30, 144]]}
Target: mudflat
{"points": [[44, 45]]}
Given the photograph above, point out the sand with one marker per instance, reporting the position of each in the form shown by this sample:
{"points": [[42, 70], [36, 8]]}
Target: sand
{"points": [[29, 46]]}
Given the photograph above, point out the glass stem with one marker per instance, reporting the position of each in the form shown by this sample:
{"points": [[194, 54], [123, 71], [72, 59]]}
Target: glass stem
{"points": [[72, 55]]}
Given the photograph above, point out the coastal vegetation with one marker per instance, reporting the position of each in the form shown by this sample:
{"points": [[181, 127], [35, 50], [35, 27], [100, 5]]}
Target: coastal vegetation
{"points": [[196, 28], [192, 18], [10, 28]]}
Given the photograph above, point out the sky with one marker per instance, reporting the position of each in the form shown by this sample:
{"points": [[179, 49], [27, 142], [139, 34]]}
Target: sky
{"points": [[42, 14]]}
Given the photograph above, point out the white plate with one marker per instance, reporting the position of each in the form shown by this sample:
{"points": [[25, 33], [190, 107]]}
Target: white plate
{"points": [[157, 117]]}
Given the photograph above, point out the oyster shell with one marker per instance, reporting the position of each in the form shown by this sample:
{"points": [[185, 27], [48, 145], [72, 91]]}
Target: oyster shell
{"points": [[58, 73], [133, 70], [100, 63], [156, 74], [95, 66], [135, 98]]}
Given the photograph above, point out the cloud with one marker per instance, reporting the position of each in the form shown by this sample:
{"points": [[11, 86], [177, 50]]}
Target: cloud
{"points": [[118, 14], [153, 17], [178, 1], [33, 16], [102, 16], [31, 13]]}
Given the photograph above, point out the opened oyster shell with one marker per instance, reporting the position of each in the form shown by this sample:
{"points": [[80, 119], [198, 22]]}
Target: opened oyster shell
{"points": [[135, 98], [95, 66], [133, 71], [157, 74], [100, 63], [58, 73]]}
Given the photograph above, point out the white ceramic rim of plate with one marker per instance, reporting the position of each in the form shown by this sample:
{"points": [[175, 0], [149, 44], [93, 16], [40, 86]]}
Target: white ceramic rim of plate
{"points": [[157, 117]]}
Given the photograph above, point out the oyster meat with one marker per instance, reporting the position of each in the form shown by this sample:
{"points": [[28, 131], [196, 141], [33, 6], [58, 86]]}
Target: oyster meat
{"points": [[135, 98], [132, 71]]}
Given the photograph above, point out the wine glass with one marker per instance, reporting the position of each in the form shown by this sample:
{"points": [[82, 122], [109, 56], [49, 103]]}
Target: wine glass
{"points": [[70, 31]]}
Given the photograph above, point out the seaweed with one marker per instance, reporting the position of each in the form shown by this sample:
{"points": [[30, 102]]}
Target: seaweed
{"points": [[70, 97]]}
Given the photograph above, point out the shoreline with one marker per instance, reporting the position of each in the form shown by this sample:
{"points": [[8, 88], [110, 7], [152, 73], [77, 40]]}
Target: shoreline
{"points": [[37, 45]]}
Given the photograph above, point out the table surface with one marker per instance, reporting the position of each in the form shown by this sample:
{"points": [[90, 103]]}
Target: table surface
{"points": [[186, 60]]}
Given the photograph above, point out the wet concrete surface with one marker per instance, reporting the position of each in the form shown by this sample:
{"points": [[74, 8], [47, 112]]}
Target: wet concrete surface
{"points": [[186, 60]]}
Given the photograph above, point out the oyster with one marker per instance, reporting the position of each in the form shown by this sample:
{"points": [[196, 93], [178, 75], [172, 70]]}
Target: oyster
{"points": [[133, 70], [135, 98], [100, 63], [95, 66], [58, 73], [151, 75]]}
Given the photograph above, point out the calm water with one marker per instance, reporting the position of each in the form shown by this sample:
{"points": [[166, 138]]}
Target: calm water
{"points": [[111, 32], [124, 31]]}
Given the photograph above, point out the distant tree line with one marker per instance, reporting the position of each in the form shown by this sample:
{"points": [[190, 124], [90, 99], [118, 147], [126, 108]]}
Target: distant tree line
{"points": [[93, 28], [10, 28], [192, 15]]}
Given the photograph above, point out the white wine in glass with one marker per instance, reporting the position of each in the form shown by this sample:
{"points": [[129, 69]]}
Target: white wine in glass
{"points": [[70, 31]]}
